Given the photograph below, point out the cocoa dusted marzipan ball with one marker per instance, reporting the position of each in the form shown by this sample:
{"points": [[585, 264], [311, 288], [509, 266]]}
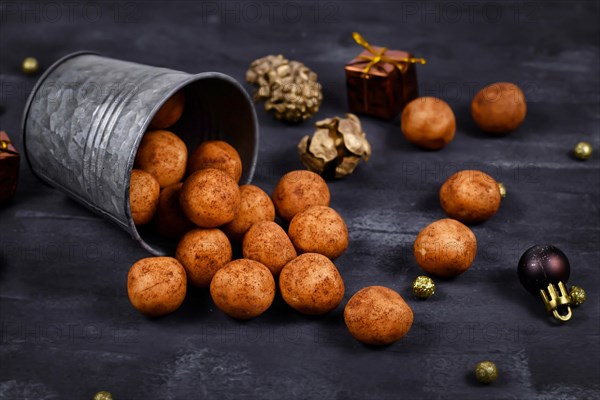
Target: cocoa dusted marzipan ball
{"points": [[319, 229], [216, 154], [445, 248], [470, 196], [428, 122], [171, 222], [243, 289], [499, 108], [169, 113], [255, 206], [378, 315], [311, 284], [267, 243], [298, 190], [156, 285], [210, 198], [164, 155], [144, 192], [202, 252]]}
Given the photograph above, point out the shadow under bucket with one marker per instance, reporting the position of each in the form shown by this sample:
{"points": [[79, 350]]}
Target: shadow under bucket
{"points": [[87, 114]]}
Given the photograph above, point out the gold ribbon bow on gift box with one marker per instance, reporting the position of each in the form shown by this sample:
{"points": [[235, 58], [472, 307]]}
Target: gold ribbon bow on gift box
{"points": [[379, 57], [4, 147]]}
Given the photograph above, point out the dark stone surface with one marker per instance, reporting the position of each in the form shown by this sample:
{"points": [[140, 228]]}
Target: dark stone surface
{"points": [[68, 330]]}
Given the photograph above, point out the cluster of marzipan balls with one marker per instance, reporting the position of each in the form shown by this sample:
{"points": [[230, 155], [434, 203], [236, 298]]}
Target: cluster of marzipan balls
{"points": [[447, 247], [497, 109], [208, 212]]}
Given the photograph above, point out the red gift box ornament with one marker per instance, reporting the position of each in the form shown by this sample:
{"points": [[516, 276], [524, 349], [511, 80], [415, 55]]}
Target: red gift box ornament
{"points": [[380, 81], [9, 168]]}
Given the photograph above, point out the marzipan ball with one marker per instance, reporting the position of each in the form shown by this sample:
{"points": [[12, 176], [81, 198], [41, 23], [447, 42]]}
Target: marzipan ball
{"points": [[219, 155], [255, 206], [445, 248], [311, 284], [210, 198], [243, 289], [428, 122], [144, 192], [470, 196], [267, 243], [298, 190], [499, 108], [156, 285], [202, 252], [171, 222], [319, 229], [169, 113], [164, 155], [377, 315]]}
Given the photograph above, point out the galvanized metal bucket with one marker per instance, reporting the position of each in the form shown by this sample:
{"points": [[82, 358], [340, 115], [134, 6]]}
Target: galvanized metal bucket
{"points": [[86, 116]]}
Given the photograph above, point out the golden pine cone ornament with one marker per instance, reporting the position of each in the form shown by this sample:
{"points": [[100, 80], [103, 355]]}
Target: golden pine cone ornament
{"points": [[289, 88]]}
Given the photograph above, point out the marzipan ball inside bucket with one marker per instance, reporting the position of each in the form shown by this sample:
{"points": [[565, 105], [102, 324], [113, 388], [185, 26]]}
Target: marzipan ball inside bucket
{"points": [[87, 114]]}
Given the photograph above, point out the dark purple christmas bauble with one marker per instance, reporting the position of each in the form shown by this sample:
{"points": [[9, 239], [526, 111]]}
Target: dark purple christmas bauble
{"points": [[542, 265]]}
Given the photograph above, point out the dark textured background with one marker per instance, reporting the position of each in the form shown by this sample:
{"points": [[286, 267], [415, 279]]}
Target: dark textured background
{"points": [[67, 329]]}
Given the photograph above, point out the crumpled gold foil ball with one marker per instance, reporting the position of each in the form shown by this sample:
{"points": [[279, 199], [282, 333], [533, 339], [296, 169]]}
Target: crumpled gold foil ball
{"points": [[502, 189], [289, 88], [423, 287], [336, 147], [103, 395], [486, 372], [577, 295]]}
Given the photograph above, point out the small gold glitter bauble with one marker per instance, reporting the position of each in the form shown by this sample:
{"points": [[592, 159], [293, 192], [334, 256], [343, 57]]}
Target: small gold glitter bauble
{"points": [[577, 295], [502, 189], [103, 395], [486, 372], [423, 287], [30, 66], [583, 150]]}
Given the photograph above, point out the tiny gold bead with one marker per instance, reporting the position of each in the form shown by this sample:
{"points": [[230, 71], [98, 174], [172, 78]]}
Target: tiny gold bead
{"points": [[582, 150], [103, 395], [486, 372], [502, 189], [577, 295], [423, 287], [30, 66]]}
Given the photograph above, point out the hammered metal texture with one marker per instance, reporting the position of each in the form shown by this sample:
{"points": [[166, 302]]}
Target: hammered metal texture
{"points": [[88, 113]]}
